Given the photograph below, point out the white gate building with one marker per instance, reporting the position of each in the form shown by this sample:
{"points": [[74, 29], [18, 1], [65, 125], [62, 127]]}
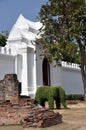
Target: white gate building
{"points": [[21, 55]]}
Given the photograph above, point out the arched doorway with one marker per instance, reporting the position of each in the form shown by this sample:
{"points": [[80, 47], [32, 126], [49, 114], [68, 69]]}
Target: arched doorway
{"points": [[46, 72]]}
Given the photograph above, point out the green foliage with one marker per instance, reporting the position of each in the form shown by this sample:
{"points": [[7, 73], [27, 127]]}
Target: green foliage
{"points": [[43, 94], [62, 96], [47, 93], [70, 53], [59, 96], [64, 24], [75, 97], [56, 96], [3, 38]]}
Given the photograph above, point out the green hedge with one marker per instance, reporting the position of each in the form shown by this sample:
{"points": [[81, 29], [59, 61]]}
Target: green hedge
{"points": [[47, 93], [75, 97]]}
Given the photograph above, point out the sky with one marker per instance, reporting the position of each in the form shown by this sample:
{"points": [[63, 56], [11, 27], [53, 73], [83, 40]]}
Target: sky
{"points": [[11, 9]]}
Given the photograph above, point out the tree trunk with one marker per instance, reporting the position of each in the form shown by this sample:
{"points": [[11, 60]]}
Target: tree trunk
{"points": [[84, 82], [83, 72], [83, 66]]}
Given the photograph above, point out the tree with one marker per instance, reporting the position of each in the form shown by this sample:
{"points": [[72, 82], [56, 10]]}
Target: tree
{"points": [[3, 38], [64, 24]]}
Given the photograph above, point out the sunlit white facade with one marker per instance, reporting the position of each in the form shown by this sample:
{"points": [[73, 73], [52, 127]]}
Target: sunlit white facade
{"points": [[21, 55]]}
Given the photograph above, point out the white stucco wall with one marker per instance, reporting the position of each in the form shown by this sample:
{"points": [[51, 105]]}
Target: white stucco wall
{"points": [[68, 75], [7, 65], [72, 81], [55, 75]]}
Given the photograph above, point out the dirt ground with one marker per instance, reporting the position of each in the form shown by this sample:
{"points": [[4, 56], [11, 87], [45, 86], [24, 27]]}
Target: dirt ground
{"points": [[74, 118]]}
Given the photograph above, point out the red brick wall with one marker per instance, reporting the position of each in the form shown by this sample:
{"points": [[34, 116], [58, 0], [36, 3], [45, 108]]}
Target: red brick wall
{"points": [[9, 89]]}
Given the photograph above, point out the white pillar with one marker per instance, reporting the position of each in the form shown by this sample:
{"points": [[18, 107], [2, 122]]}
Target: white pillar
{"points": [[32, 70], [24, 73], [18, 66], [28, 71], [34, 73]]}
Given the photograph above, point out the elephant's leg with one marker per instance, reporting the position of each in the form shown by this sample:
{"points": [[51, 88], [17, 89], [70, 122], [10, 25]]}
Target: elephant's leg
{"points": [[51, 102], [64, 103], [58, 105], [43, 102], [38, 100]]}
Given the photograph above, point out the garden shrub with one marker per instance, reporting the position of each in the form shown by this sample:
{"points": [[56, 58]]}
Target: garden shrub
{"points": [[47, 93], [56, 96], [62, 96], [43, 94], [75, 97]]}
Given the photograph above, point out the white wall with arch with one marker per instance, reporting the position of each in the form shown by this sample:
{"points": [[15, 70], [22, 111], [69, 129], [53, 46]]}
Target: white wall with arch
{"points": [[21, 55], [67, 75]]}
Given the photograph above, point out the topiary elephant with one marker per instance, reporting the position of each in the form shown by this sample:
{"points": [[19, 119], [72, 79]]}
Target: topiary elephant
{"points": [[47, 93]]}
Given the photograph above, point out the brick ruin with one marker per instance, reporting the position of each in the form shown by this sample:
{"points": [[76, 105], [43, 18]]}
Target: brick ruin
{"points": [[9, 89], [16, 109]]}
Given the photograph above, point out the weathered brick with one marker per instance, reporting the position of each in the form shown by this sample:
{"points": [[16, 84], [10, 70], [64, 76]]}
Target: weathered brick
{"points": [[15, 109]]}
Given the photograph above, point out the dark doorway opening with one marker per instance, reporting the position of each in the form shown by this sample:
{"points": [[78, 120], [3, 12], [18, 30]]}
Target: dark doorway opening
{"points": [[46, 72]]}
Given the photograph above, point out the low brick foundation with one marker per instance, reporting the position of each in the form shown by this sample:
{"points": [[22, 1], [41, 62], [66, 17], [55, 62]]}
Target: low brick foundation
{"points": [[15, 109], [27, 114]]}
